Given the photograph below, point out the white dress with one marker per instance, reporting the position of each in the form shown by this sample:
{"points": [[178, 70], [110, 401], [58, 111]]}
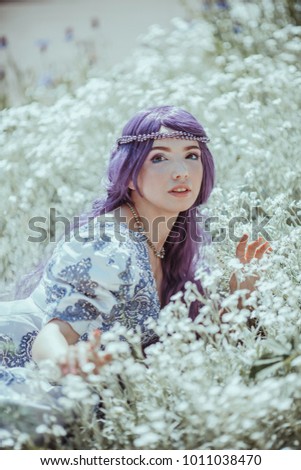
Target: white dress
{"points": [[102, 275]]}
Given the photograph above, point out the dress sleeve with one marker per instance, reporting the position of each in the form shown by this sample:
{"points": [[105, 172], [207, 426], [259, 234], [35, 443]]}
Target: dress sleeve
{"points": [[83, 281]]}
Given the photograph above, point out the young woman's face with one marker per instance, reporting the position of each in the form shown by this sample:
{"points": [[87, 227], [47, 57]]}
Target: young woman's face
{"points": [[170, 178]]}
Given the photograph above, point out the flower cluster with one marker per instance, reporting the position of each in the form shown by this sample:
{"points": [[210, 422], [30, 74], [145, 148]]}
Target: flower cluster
{"points": [[237, 386]]}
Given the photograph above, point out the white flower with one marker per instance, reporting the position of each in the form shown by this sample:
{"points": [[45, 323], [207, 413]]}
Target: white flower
{"points": [[188, 393]]}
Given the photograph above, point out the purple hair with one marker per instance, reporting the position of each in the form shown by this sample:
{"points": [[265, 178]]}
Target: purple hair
{"points": [[182, 255]]}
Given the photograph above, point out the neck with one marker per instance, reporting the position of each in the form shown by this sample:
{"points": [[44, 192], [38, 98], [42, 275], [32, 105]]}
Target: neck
{"points": [[157, 226]]}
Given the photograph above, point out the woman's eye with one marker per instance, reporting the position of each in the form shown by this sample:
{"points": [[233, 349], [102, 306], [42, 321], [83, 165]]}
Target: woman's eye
{"points": [[158, 158], [193, 156]]}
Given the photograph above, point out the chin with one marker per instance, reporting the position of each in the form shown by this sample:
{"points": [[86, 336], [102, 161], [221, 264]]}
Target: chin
{"points": [[181, 208]]}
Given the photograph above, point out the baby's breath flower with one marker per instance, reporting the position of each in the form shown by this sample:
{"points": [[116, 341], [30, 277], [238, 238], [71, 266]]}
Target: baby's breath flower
{"points": [[206, 383]]}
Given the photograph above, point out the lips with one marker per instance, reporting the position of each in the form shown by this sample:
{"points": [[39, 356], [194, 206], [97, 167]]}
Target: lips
{"points": [[180, 189]]}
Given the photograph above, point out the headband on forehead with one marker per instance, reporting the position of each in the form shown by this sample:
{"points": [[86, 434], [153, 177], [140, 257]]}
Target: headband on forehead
{"points": [[126, 139]]}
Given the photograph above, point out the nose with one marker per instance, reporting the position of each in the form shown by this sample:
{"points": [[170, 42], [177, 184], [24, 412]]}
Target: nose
{"points": [[180, 172]]}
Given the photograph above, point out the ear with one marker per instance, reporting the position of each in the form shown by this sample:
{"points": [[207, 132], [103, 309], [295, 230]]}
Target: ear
{"points": [[131, 185]]}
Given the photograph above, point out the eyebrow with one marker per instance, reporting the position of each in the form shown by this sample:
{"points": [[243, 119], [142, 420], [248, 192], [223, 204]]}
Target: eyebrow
{"points": [[168, 149]]}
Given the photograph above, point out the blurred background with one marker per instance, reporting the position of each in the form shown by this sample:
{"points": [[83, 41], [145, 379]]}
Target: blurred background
{"points": [[50, 47], [47, 42]]}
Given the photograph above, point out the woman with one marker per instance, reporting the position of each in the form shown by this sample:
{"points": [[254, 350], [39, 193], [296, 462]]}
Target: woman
{"points": [[137, 247]]}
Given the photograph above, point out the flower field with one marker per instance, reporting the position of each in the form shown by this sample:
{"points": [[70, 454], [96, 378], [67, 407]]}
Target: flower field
{"points": [[237, 67]]}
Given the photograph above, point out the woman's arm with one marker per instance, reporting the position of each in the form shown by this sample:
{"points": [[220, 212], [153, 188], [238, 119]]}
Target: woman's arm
{"points": [[58, 342], [53, 341]]}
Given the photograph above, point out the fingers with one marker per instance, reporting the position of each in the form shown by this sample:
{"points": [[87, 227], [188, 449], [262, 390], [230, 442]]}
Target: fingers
{"points": [[94, 353], [85, 358], [264, 248], [256, 249], [241, 248], [94, 365], [69, 363], [103, 360], [95, 340], [252, 248]]}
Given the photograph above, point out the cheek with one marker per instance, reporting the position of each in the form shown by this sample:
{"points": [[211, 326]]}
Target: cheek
{"points": [[201, 174], [197, 174], [145, 180], [152, 172]]}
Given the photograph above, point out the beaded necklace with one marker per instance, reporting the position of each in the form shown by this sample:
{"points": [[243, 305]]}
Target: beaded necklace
{"points": [[159, 253]]}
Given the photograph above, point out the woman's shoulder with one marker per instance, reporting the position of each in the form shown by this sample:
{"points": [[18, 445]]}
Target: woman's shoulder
{"points": [[98, 253], [103, 233], [101, 242]]}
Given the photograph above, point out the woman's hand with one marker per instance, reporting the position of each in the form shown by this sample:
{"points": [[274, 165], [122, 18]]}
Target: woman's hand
{"points": [[84, 358], [246, 253]]}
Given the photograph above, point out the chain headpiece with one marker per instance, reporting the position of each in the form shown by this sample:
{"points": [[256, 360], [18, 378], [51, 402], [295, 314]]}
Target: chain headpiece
{"points": [[126, 139]]}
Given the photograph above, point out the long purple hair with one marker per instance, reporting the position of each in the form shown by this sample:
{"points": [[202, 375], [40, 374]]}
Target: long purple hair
{"points": [[183, 251]]}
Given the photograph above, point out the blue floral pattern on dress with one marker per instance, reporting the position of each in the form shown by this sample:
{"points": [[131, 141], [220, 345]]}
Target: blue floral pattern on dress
{"points": [[7, 377], [54, 293], [12, 357], [93, 283], [77, 275], [81, 310]]}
